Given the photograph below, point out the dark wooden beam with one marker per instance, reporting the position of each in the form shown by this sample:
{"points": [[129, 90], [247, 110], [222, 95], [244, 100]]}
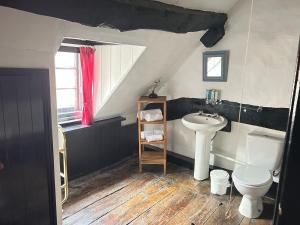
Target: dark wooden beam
{"points": [[77, 43], [126, 15], [68, 49], [84, 42]]}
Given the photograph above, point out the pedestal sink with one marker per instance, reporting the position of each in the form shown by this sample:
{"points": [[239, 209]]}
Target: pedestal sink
{"points": [[205, 125]]}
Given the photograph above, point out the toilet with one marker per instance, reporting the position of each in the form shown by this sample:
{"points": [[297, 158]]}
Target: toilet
{"points": [[255, 179]]}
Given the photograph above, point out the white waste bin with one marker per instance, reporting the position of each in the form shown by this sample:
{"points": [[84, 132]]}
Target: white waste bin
{"points": [[219, 182]]}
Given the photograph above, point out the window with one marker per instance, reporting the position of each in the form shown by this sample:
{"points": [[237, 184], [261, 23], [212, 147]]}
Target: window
{"points": [[68, 86]]}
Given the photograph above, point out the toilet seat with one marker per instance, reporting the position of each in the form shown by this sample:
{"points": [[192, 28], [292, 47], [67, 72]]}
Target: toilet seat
{"points": [[252, 176]]}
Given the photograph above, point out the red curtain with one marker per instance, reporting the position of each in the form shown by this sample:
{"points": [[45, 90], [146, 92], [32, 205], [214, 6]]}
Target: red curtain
{"points": [[87, 67]]}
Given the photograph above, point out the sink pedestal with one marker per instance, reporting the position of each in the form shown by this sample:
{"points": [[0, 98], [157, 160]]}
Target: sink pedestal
{"points": [[202, 153], [205, 126]]}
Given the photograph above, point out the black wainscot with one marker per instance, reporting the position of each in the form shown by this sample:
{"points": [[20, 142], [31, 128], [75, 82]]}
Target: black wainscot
{"points": [[102, 144]]}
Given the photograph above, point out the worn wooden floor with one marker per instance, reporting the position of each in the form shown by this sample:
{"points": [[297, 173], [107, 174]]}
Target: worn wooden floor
{"points": [[122, 195]]}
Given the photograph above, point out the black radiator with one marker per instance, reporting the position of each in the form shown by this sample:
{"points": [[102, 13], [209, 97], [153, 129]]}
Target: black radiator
{"points": [[91, 148]]}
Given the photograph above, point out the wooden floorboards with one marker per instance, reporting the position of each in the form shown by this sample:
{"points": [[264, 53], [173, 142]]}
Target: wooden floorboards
{"points": [[122, 195]]}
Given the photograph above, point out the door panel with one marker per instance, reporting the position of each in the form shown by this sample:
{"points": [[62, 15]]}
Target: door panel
{"points": [[287, 201], [26, 182], [11, 179]]}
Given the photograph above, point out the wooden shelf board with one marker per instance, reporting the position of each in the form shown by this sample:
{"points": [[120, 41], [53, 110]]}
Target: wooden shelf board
{"points": [[159, 99], [152, 122], [151, 157], [144, 142]]}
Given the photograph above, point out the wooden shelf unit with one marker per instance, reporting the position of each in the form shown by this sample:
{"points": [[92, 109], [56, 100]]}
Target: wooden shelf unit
{"points": [[152, 157]]}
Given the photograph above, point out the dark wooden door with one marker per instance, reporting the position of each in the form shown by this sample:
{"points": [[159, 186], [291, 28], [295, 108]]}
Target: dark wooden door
{"points": [[26, 162], [287, 203]]}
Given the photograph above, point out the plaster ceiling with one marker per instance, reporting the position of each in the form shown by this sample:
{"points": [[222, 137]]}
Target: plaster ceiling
{"points": [[209, 5]]}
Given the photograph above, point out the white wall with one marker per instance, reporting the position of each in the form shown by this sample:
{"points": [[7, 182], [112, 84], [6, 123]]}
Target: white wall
{"points": [[112, 65], [266, 79]]}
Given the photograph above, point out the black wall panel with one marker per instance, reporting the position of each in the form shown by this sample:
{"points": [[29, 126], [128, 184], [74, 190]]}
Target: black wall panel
{"points": [[268, 117], [91, 148], [129, 140]]}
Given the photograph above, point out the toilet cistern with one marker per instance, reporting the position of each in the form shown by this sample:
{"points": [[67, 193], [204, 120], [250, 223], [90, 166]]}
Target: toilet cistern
{"points": [[205, 126]]}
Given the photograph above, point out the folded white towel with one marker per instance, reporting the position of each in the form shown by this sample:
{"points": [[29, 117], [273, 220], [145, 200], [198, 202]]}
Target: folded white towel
{"points": [[154, 137], [151, 115], [146, 133]]}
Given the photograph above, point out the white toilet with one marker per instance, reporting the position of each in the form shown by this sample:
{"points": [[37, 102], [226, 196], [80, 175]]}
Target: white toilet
{"points": [[254, 180]]}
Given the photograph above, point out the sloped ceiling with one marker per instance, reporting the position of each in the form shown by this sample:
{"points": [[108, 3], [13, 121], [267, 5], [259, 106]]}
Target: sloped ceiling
{"points": [[164, 53], [161, 59]]}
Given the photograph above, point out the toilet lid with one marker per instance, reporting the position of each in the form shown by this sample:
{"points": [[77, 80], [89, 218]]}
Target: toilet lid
{"points": [[251, 175]]}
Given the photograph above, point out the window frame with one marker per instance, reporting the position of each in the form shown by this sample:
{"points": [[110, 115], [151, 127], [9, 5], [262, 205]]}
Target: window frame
{"points": [[78, 93]]}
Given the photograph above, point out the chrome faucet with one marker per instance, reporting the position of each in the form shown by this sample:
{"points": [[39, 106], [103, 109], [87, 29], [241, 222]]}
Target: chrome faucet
{"points": [[214, 115]]}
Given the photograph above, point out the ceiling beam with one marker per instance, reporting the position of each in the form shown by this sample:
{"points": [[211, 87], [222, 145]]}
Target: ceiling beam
{"points": [[79, 42], [69, 49], [125, 15]]}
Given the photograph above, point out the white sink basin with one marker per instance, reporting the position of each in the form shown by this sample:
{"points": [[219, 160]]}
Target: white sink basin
{"points": [[206, 126], [204, 123]]}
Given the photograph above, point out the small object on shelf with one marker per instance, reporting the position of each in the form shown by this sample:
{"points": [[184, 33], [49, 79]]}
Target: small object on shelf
{"points": [[153, 95], [155, 85], [156, 136], [212, 96]]}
